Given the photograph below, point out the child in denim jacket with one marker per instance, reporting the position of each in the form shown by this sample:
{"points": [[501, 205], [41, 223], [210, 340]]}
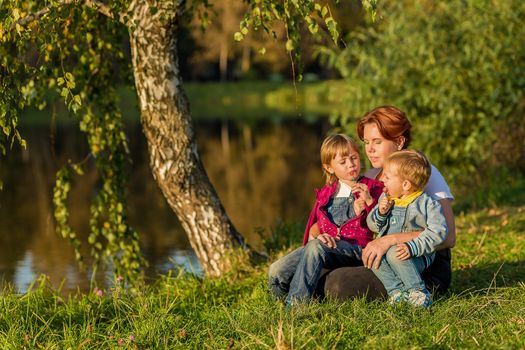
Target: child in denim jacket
{"points": [[404, 208], [336, 230]]}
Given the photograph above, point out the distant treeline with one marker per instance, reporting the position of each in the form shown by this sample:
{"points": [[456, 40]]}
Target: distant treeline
{"points": [[211, 53]]}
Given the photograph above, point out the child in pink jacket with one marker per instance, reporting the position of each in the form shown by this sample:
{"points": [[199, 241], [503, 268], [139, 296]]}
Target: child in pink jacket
{"points": [[336, 231]]}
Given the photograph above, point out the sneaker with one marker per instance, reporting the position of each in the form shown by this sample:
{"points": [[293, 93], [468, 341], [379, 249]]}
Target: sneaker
{"points": [[419, 298], [396, 297]]}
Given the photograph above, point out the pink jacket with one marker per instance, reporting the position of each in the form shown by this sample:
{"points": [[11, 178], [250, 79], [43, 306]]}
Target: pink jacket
{"points": [[355, 229]]}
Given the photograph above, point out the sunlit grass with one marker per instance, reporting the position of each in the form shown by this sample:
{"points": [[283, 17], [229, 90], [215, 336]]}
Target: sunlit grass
{"points": [[485, 307]]}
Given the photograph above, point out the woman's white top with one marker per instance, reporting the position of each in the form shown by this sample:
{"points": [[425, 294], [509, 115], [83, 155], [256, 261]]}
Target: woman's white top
{"points": [[437, 187]]}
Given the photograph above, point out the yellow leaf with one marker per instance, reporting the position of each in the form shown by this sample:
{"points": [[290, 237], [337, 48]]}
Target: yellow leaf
{"points": [[289, 45], [16, 14]]}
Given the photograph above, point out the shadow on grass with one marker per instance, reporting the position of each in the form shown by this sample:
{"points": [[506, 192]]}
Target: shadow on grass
{"points": [[495, 275]]}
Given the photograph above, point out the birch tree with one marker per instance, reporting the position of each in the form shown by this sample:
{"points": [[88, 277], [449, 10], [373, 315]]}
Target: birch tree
{"points": [[70, 47]]}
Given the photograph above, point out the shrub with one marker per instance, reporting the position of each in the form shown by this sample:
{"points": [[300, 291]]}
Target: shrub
{"points": [[456, 67]]}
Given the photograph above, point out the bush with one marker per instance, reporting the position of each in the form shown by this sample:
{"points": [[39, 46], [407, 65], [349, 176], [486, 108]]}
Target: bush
{"points": [[456, 67]]}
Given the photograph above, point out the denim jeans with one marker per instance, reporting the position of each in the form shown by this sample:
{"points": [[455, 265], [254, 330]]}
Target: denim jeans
{"points": [[401, 275], [298, 272]]}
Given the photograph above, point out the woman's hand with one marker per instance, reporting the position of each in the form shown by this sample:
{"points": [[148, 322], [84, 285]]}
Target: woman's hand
{"points": [[363, 191], [374, 251], [328, 240], [314, 232]]}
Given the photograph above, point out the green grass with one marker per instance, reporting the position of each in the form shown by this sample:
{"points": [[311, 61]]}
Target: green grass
{"points": [[484, 309]]}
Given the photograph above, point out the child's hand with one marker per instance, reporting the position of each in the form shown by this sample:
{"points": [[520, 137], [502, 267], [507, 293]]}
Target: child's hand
{"points": [[402, 252], [363, 191], [385, 204], [359, 206], [327, 240]]}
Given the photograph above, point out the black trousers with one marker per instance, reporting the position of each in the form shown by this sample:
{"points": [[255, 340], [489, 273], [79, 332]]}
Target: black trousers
{"points": [[351, 282]]}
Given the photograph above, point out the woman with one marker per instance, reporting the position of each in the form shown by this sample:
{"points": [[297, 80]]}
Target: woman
{"points": [[385, 130]]}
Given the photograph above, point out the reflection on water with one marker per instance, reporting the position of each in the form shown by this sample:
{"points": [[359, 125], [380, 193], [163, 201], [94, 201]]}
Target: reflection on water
{"points": [[263, 172]]}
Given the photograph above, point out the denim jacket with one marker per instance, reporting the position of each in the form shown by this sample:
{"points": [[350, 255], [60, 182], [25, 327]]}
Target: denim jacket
{"points": [[423, 214]]}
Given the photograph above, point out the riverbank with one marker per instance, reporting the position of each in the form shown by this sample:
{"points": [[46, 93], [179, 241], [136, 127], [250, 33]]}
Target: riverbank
{"points": [[484, 308], [243, 101]]}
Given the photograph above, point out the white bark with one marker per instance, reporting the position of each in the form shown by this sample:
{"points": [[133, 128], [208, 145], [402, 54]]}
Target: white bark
{"points": [[167, 125]]}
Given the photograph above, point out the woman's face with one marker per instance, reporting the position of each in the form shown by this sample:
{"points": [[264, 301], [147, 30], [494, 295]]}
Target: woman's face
{"points": [[377, 148]]}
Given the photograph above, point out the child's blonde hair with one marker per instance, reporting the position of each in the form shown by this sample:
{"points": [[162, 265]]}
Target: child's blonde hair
{"points": [[331, 147], [410, 165]]}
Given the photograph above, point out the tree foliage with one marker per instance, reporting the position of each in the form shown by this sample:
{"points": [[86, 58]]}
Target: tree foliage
{"points": [[294, 14], [457, 68], [70, 47], [67, 50]]}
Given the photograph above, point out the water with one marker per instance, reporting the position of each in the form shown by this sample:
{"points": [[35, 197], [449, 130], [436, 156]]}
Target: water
{"points": [[264, 172]]}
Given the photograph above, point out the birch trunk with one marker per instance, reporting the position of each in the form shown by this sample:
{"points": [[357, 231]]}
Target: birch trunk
{"points": [[167, 124]]}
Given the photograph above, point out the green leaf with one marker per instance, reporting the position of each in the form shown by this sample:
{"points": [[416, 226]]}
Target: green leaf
{"points": [[238, 36], [153, 10], [313, 28], [16, 14], [289, 45], [77, 100], [75, 108], [324, 11]]}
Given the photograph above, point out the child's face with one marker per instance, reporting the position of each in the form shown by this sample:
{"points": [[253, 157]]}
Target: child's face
{"points": [[346, 168], [395, 185]]}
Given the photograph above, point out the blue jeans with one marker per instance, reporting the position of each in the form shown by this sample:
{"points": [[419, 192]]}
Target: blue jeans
{"points": [[298, 272], [401, 275]]}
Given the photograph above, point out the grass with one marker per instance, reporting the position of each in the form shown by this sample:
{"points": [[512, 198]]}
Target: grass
{"points": [[485, 307]]}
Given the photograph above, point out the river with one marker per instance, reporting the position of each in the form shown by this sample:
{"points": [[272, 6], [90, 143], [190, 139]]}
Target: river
{"points": [[264, 172]]}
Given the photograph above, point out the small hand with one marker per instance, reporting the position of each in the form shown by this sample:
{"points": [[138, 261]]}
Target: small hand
{"points": [[385, 204], [328, 240], [363, 191], [402, 252], [359, 206]]}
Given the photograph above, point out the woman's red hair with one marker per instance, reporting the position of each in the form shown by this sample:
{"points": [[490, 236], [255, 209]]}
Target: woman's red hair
{"points": [[391, 123]]}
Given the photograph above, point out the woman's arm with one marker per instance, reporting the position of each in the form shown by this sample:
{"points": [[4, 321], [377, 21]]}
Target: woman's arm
{"points": [[450, 241], [374, 251], [312, 220], [314, 232], [438, 187]]}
